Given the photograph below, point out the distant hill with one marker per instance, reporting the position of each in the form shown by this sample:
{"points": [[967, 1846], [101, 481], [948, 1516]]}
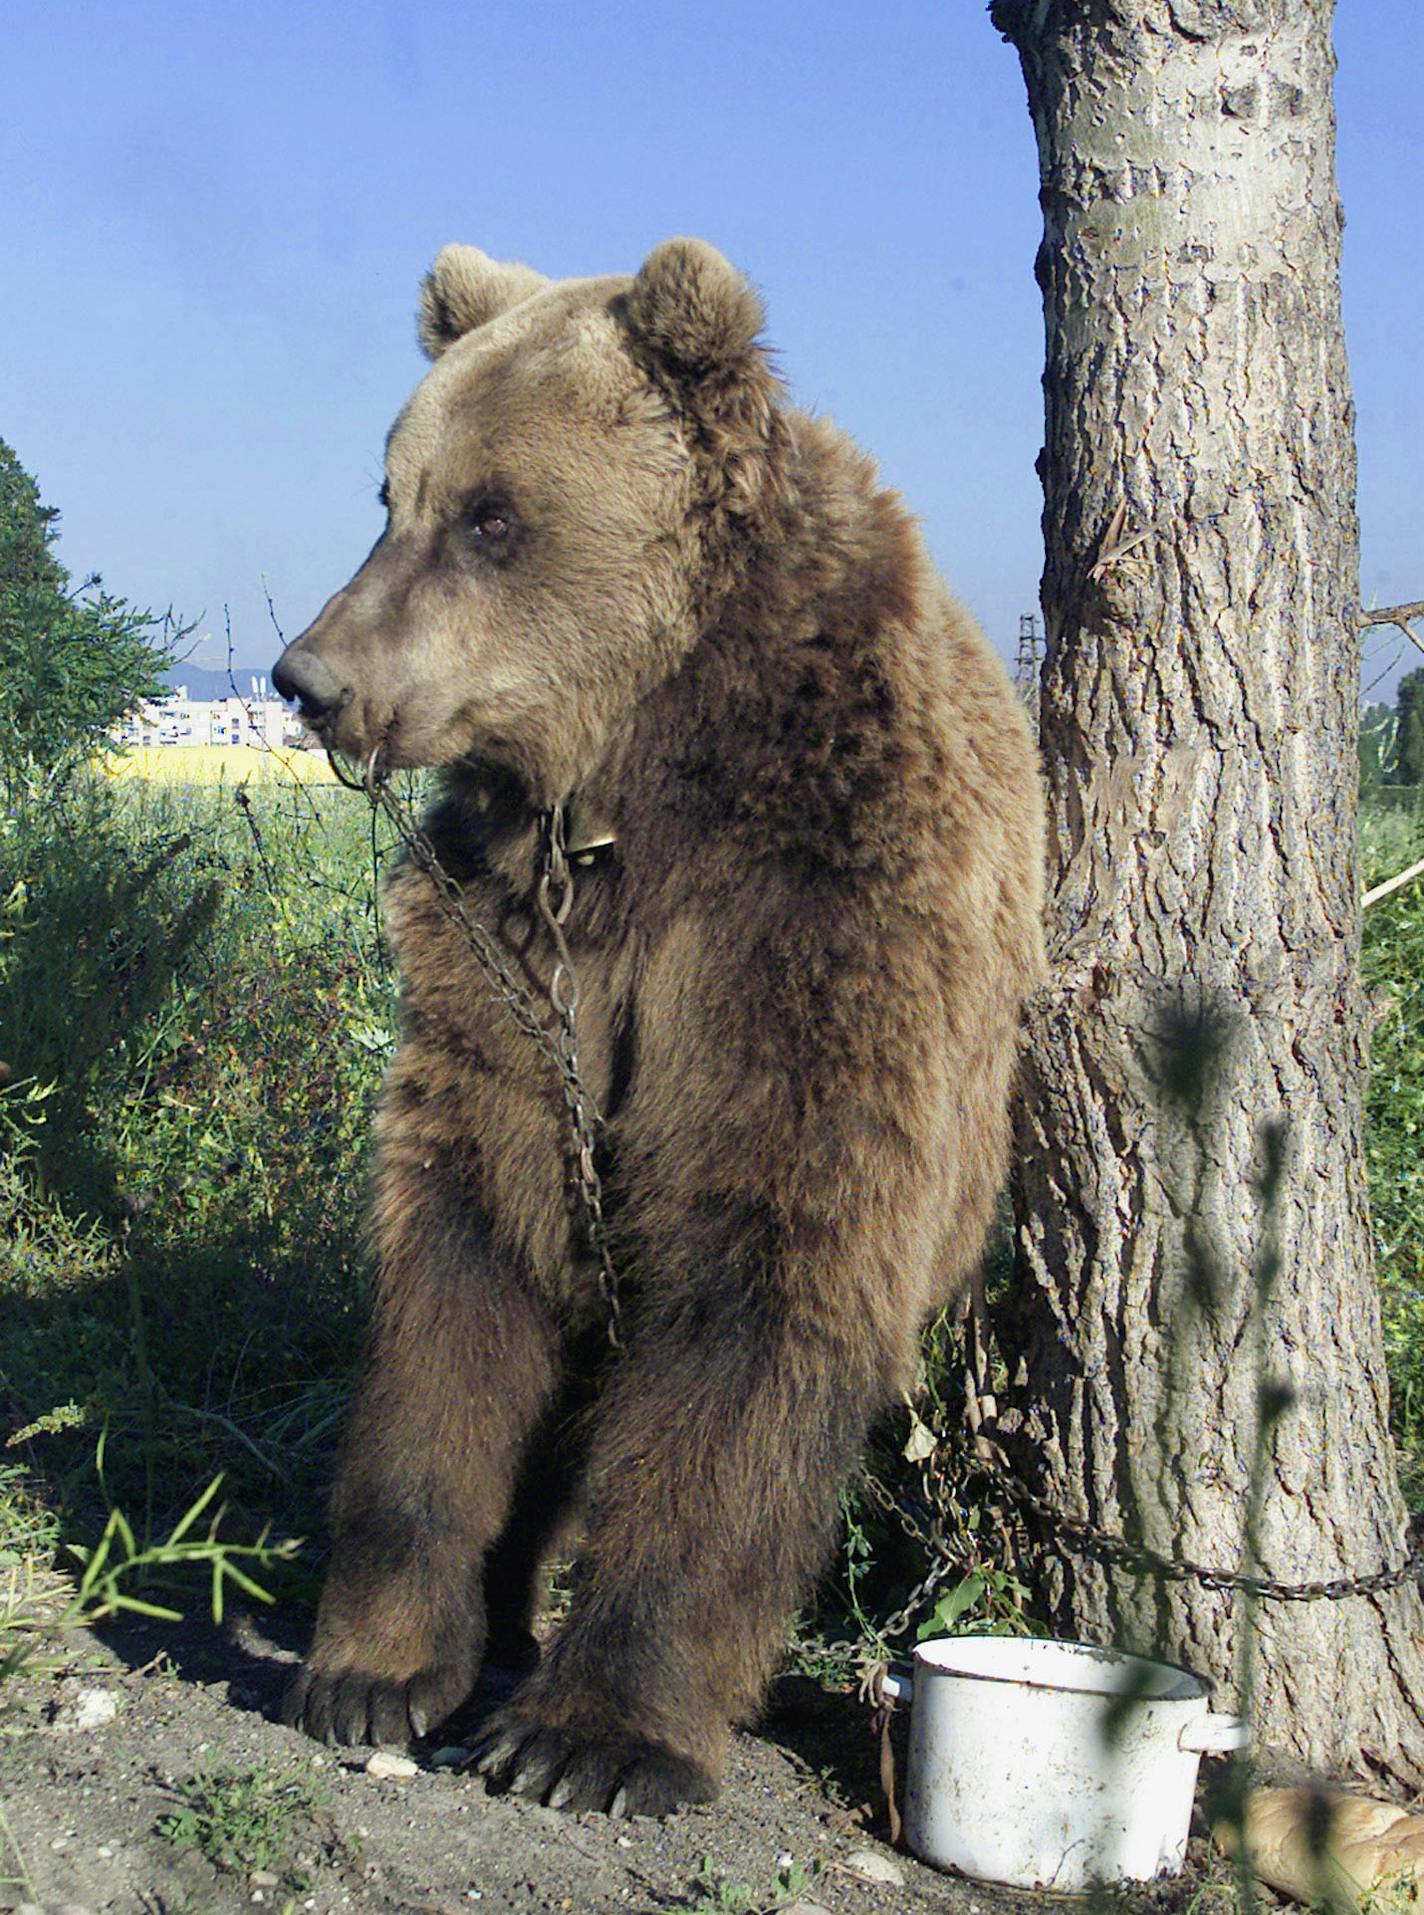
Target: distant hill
{"points": [[207, 681]]}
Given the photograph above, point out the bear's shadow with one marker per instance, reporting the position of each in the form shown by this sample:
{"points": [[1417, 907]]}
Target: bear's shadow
{"points": [[826, 1732]]}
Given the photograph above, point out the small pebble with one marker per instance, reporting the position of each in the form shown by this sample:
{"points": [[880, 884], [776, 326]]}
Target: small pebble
{"points": [[59, 1844], [264, 1878], [450, 1757], [871, 1866], [87, 1709], [391, 1767], [104, 1852], [784, 1859], [803, 1908], [625, 1841]]}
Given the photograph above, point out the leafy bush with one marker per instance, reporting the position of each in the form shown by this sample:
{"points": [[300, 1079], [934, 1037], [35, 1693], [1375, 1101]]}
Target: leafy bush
{"points": [[72, 661], [96, 923], [196, 1007], [1409, 729]]}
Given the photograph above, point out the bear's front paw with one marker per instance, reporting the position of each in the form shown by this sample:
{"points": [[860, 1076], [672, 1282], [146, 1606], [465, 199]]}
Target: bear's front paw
{"points": [[353, 1705], [572, 1768]]}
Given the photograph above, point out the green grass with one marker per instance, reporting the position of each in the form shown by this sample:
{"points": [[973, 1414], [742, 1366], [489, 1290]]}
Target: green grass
{"points": [[194, 1009], [1392, 837]]}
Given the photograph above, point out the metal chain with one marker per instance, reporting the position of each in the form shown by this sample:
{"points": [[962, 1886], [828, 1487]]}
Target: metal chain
{"points": [[556, 901], [946, 1562], [555, 898], [1109, 1546], [900, 1619], [1102, 1545]]}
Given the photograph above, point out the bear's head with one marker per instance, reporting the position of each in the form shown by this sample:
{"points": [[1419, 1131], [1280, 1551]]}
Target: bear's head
{"points": [[566, 493]]}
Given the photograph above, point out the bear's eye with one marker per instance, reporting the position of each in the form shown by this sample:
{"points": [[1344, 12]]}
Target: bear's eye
{"points": [[489, 521]]}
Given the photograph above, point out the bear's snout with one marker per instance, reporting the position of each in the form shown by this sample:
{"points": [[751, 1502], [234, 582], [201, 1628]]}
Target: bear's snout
{"points": [[304, 676]]}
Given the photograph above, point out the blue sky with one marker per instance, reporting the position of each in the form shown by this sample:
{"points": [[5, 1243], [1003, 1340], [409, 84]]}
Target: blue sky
{"points": [[217, 217]]}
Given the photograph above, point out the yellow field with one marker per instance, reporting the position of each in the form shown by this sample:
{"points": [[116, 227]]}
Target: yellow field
{"points": [[219, 765]]}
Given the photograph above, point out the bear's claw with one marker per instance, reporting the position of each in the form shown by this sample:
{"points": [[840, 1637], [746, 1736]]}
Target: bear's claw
{"points": [[569, 1768], [353, 1706]]}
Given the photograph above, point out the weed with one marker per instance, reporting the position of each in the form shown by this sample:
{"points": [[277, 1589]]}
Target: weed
{"points": [[245, 1819], [992, 1597], [790, 1884], [924, 1497], [183, 1115], [1396, 1894], [27, 1528], [118, 1566], [832, 1788], [715, 1889]]}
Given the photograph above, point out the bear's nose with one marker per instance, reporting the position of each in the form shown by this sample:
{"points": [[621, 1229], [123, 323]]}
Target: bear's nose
{"points": [[304, 676]]}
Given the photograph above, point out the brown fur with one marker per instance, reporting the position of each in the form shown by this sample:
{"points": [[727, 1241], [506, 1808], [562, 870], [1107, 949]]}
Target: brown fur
{"points": [[802, 971]]}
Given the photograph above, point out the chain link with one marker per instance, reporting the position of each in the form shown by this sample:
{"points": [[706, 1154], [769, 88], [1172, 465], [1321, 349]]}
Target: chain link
{"points": [[555, 898]]}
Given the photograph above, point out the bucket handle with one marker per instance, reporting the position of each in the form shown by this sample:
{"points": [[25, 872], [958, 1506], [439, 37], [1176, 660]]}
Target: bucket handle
{"points": [[1213, 1735], [898, 1684]]}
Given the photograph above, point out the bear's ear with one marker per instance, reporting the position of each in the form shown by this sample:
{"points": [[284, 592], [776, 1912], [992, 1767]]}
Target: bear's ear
{"points": [[693, 309], [463, 289], [695, 318]]}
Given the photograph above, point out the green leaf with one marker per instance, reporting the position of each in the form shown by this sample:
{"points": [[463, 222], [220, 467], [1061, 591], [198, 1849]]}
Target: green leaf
{"points": [[191, 1515], [950, 1607]]}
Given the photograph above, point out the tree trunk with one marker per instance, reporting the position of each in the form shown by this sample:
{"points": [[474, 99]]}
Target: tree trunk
{"points": [[1199, 707]]}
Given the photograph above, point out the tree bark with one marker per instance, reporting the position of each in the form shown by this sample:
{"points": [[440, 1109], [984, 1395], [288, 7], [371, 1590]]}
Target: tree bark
{"points": [[1199, 706]]}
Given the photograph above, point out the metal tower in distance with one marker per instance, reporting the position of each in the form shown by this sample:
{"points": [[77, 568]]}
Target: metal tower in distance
{"points": [[1027, 664]]}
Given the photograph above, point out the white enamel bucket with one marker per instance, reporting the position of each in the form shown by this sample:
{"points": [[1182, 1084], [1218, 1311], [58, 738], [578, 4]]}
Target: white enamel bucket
{"points": [[1053, 1765]]}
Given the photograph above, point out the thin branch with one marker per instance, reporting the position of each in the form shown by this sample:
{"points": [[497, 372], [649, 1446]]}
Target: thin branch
{"points": [[1392, 884], [1399, 615], [1392, 614]]}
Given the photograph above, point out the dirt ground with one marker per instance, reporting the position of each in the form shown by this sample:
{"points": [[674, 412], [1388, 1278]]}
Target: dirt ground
{"points": [[100, 1749]]}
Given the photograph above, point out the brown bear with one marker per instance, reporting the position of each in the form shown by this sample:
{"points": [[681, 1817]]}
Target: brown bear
{"points": [[621, 575]]}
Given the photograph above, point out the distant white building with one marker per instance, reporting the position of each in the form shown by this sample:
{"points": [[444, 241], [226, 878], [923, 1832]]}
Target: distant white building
{"points": [[259, 720]]}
